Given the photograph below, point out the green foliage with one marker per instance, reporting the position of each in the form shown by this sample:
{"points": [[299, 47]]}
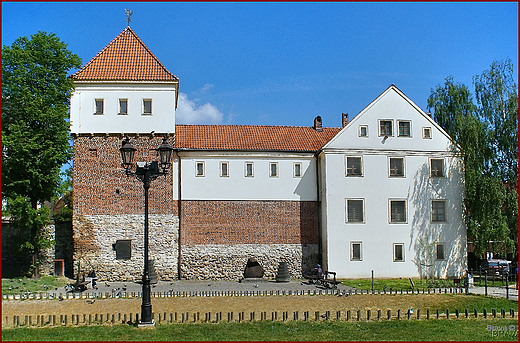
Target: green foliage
{"points": [[35, 129], [486, 134]]}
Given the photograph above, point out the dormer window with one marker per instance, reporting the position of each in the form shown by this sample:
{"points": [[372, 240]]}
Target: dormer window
{"points": [[147, 107], [99, 106]]}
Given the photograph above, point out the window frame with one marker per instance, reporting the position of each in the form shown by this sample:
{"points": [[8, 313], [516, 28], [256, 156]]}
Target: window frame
{"points": [[424, 136], [275, 164], [102, 106], [409, 128], [395, 259], [437, 245], [197, 163], [119, 109], [390, 158], [144, 107], [366, 131], [445, 220], [252, 169], [352, 258], [295, 164], [391, 127], [390, 201], [360, 166], [443, 168], [226, 163], [362, 211]]}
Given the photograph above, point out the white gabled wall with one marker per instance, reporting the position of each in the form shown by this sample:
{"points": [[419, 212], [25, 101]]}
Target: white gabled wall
{"points": [[376, 188], [83, 119]]}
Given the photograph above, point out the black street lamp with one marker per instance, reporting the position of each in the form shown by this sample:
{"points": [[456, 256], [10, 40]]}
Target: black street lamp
{"points": [[146, 172]]}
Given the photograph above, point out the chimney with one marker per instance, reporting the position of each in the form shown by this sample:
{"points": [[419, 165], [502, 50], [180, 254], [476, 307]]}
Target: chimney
{"points": [[317, 124], [344, 119]]}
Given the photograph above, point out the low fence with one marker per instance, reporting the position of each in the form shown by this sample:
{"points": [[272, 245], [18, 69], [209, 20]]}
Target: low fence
{"points": [[217, 317], [170, 294]]}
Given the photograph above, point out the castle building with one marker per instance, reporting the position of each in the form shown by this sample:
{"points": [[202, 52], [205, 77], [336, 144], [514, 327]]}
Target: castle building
{"points": [[384, 192]]}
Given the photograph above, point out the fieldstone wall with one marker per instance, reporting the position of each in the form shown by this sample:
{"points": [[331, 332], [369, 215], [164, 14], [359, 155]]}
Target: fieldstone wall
{"points": [[96, 235], [219, 261]]}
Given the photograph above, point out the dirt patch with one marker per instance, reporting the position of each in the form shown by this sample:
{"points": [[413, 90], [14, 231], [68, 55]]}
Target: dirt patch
{"points": [[228, 304]]}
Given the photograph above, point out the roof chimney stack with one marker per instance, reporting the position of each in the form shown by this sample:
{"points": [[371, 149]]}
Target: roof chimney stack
{"points": [[317, 124], [344, 119]]}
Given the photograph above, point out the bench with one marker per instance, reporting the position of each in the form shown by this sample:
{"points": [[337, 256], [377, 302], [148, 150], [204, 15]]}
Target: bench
{"points": [[328, 282]]}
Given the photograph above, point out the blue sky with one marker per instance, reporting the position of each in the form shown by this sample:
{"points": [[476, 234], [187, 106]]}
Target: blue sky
{"points": [[285, 63]]}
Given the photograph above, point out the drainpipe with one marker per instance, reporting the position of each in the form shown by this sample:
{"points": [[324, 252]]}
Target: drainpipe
{"points": [[179, 213], [318, 200]]}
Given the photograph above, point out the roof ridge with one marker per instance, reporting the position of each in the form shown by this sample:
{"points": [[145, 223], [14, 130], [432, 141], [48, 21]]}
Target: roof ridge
{"points": [[254, 125]]}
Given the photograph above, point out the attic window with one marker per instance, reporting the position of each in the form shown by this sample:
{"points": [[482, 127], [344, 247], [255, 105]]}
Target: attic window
{"points": [[404, 129], [363, 131], [147, 107], [385, 128], [427, 133]]}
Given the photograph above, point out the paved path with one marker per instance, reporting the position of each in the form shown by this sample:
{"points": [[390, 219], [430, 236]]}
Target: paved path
{"points": [[496, 292]]}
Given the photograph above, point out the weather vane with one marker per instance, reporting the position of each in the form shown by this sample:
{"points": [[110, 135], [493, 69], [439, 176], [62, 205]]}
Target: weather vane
{"points": [[128, 16]]}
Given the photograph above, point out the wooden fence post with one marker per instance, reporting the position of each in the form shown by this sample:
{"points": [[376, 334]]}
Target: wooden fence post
{"points": [[389, 314]]}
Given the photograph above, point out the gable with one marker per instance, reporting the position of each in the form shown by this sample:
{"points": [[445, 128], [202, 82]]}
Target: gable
{"points": [[392, 107]]}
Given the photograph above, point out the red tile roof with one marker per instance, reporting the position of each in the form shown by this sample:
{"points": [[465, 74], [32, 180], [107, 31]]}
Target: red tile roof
{"points": [[252, 137], [125, 58]]}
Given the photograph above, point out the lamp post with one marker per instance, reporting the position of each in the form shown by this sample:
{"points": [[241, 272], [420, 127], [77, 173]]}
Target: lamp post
{"points": [[146, 172]]}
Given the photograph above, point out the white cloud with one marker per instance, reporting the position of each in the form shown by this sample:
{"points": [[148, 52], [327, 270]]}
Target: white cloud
{"points": [[189, 112], [206, 87]]}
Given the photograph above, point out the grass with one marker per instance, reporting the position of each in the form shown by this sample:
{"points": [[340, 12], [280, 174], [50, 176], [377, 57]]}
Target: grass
{"points": [[24, 285], [398, 284], [395, 330]]}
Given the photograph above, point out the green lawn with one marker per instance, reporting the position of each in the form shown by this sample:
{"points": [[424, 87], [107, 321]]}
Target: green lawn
{"points": [[395, 330], [23, 285], [399, 283]]}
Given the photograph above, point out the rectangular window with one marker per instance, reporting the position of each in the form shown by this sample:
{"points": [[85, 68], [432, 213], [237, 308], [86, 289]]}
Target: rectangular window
{"points": [[224, 169], [147, 106], [385, 128], [100, 104], [123, 106], [439, 251], [396, 167], [398, 252], [199, 169], [437, 167], [354, 166], [397, 211], [273, 169], [426, 133], [438, 210], [297, 170], [363, 131], [356, 253], [404, 129], [355, 211], [249, 169]]}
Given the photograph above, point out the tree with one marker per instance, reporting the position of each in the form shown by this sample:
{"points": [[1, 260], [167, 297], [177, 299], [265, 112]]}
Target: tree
{"points": [[489, 210], [35, 128]]}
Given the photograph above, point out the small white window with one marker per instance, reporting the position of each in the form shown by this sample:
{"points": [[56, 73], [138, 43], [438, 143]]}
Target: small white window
{"points": [[363, 131], [398, 252], [354, 166], [273, 169], [396, 166], [427, 133], [385, 128], [123, 106], [249, 169], [404, 128], [437, 167], [439, 251], [224, 169], [147, 106], [355, 211], [397, 211], [438, 210], [199, 169], [356, 252], [297, 170], [99, 106]]}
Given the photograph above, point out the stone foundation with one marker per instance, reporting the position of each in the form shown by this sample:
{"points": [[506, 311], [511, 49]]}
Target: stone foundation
{"points": [[218, 261], [95, 235]]}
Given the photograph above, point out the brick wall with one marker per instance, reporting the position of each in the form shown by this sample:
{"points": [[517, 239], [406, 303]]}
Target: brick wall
{"points": [[100, 186], [249, 222]]}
